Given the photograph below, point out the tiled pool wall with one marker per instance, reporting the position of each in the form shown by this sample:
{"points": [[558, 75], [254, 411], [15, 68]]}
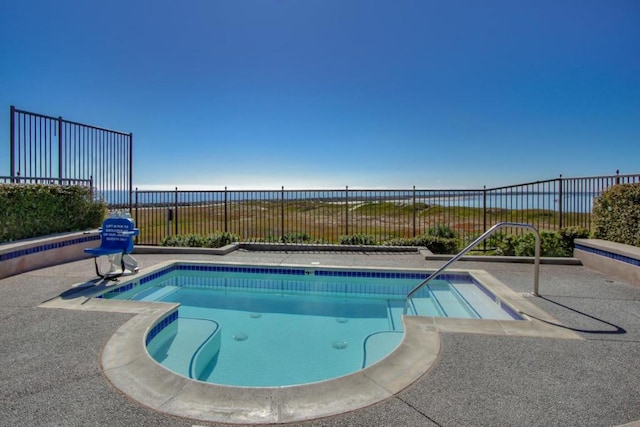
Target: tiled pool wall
{"points": [[613, 259], [30, 255], [267, 284], [158, 327], [300, 286], [609, 254]]}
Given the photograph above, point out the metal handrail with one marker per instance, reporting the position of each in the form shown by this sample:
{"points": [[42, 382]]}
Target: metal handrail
{"points": [[484, 235]]}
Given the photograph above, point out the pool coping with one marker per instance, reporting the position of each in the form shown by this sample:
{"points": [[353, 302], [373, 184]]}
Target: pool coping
{"points": [[25, 255], [127, 365], [610, 258]]}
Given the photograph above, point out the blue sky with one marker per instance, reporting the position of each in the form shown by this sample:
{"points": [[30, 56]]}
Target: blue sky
{"points": [[323, 94]]}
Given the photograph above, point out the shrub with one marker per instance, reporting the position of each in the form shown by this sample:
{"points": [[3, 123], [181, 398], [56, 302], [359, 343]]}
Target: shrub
{"points": [[440, 239], [358, 239], [400, 241], [215, 240], [525, 245], [437, 245], [182, 240], [301, 237], [295, 237], [552, 244], [443, 231], [505, 244], [218, 240], [616, 214], [568, 235], [31, 210]]}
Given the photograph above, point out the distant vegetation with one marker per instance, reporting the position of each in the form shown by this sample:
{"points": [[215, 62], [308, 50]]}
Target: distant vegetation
{"points": [[31, 210], [439, 240], [316, 221], [214, 240]]}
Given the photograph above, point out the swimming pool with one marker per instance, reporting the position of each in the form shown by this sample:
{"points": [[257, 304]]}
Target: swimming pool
{"points": [[266, 326]]}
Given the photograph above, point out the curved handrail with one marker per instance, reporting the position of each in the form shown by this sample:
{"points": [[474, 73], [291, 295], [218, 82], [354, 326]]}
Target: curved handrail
{"points": [[484, 235]]}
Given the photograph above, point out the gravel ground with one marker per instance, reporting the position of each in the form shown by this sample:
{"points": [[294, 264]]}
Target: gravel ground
{"points": [[50, 372]]}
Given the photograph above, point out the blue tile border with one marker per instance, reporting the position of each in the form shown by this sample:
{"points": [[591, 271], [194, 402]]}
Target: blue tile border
{"points": [[504, 306], [241, 269], [157, 274], [371, 274], [295, 272], [484, 290], [160, 326], [328, 287], [120, 289], [607, 254], [510, 311], [47, 247], [268, 284]]}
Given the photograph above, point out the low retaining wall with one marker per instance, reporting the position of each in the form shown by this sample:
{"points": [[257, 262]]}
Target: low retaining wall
{"points": [[31, 254], [613, 259]]}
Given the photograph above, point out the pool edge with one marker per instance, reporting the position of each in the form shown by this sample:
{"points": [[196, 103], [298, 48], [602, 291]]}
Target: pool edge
{"points": [[144, 380], [125, 363]]}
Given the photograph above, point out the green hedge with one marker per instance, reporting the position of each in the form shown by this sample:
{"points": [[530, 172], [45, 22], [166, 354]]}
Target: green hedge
{"points": [[358, 239], [440, 239], [436, 244], [33, 210], [552, 244], [215, 240], [616, 214]]}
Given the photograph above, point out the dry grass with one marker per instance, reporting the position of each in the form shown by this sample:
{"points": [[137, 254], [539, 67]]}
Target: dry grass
{"points": [[325, 221]]}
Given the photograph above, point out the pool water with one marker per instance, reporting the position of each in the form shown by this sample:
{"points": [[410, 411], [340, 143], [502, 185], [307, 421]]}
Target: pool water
{"points": [[268, 329]]}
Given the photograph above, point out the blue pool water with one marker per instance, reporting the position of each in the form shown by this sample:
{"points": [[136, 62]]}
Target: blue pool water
{"points": [[260, 327]]}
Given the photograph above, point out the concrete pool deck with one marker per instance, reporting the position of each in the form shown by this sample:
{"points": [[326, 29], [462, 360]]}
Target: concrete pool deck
{"points": [[51, 371]]}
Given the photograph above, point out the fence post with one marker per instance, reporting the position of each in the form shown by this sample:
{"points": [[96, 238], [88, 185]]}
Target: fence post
{"points": [[130, 167], [560, 219], [484, 216], [12, 142], [414, 211], [60, 156], [136, 211], [346, 204], [282, 215], [226, 227], [175, 216]]}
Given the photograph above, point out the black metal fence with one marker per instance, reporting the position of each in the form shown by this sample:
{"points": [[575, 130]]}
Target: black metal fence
{"points": [[43, 180], [44, 146], [328, 215]]}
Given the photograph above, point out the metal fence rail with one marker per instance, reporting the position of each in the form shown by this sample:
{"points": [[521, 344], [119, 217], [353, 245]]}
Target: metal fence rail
{"points": [[54, 147], [45, 180], [325, 216]]}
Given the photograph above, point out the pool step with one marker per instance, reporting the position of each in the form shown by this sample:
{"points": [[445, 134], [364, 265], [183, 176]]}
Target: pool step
{"points": [[155, 293], [175, 347], [450, 302], [426, 307], [484, 306], [380, 344]]}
